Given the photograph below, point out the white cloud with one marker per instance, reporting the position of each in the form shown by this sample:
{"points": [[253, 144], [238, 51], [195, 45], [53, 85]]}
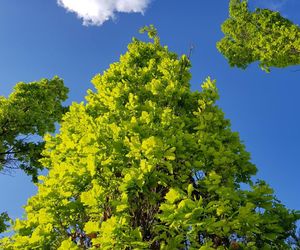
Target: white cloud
{"points": [[96, 12]]}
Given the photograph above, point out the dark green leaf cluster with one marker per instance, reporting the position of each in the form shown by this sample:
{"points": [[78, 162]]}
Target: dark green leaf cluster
{"points": [[30, 111], [4, 219], [263, 36]]}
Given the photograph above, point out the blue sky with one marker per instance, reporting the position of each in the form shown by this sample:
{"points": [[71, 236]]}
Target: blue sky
{"points": [[41, 39]]}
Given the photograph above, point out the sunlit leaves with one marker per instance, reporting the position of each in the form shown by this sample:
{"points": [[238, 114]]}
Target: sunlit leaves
{"points": [[262, 35], [31, 110], [148, 164], [172, 196], [68, 244]]}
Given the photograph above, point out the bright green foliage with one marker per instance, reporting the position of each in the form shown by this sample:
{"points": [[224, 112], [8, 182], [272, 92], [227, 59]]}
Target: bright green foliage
{"points": [[148, 164], [263, 36], [30, 111]]}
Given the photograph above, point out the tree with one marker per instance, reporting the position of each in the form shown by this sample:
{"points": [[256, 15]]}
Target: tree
{"points": [[262, 35], [30, 111], [148, 164]]}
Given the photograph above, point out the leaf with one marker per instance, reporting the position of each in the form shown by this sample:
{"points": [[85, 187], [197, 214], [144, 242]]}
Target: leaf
{"points": [[91, 227], [190, 189], [68, 244], [172, 196]]}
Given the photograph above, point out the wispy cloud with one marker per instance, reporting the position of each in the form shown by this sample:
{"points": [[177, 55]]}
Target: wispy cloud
{"points": [[96, 12], [275, 5]]}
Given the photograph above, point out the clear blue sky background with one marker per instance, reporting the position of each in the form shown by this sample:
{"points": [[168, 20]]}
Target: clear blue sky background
{"points": [[39, 39]]}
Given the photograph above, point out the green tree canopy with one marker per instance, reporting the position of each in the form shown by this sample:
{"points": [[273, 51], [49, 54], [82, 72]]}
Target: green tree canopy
{"points": [[148, 164], [31, 110], [262, 35]]}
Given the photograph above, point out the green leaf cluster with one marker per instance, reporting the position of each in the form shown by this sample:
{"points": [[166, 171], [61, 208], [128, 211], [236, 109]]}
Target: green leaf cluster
{"points": [[4, 220], [30, 111], [262, 35], [148, 164]]}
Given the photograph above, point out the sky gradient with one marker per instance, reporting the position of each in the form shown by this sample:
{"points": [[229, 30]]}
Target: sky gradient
{"points": [[40, 39]]}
